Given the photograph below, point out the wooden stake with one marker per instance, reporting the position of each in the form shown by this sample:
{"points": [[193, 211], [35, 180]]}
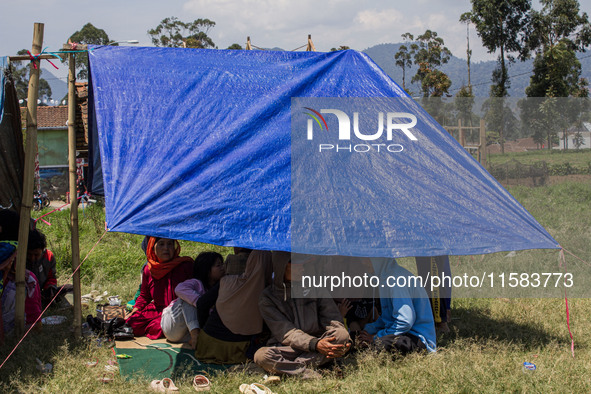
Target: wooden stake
{"points": [[73, 194], [248, 45], [27, 201], [482, 143], [462, 137], [310, 46]]}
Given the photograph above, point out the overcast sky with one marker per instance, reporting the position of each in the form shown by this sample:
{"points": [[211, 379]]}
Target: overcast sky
{"points": [[358, 24]]}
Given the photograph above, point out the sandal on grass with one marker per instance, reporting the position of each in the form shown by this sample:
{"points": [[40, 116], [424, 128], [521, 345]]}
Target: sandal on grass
{"points": [[201, 383], [164, 386], [107, 377], [255, 388], [271, 379]]}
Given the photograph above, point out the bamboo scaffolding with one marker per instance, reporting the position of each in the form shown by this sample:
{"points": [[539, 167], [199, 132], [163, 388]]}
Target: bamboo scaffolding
{"points": [[27, 199]]}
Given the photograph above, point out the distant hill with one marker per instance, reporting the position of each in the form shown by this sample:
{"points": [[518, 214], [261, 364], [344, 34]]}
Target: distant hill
{"points": [[457, 70], [59, 85], [383, 55]]}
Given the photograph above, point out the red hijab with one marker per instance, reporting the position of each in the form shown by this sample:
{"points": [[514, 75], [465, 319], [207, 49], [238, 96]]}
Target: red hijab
{"points": [[160, 269]]}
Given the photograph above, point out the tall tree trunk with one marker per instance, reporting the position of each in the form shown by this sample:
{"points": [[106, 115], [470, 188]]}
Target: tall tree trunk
{"points": [[403, 78]]}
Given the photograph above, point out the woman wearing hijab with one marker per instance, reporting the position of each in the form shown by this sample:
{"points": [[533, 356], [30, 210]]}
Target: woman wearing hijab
{"points": [[163, 272], [180, 320], [236, 318]]}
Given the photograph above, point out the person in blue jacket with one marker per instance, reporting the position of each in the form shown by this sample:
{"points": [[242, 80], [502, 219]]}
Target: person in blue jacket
{"points": [[406, 323]]}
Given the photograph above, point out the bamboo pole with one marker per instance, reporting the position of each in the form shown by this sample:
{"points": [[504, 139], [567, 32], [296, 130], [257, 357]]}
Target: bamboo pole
{"points": [[482, 143], [77, 325], [248, 46], [462, 137], [27, 200], [310, 47]]}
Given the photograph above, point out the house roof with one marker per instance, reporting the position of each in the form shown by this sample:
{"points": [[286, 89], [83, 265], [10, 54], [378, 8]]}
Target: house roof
{"points": [[48, 117], [52, 117]]}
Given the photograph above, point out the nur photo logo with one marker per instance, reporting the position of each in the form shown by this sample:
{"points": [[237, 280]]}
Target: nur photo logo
{"points": [[390, 126]]}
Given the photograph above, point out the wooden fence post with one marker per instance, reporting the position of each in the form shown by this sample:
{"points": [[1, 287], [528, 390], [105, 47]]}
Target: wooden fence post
{"points": [[482, 148], [27, 201], [77, 325]]}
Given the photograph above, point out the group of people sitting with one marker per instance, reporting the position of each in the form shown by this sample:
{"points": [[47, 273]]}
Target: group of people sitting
{"points": [[239, 309], [243, 309], [40, 274]]}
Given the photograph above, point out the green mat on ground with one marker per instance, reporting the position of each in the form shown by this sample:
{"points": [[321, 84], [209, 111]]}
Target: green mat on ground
{"points": [[164, 361]]}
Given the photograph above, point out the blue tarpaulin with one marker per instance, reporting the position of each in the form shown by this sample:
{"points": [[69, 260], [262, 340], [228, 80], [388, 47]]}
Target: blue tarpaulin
{"points": [[233, 148]]}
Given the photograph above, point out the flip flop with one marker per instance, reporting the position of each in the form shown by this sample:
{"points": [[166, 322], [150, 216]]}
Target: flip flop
{"points": [[255, 388], [201, 383], [164, 386], [107, 377], [271, 379]]}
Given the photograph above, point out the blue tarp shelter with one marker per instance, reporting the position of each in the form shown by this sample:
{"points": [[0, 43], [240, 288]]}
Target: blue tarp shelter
{"points": [[232, 148]]}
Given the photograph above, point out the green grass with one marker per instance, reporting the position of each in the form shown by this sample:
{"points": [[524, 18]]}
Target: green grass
{"points": [[578, 158], [484, 352]]}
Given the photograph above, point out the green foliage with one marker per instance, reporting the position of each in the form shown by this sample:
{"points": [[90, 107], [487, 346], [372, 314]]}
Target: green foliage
{"points": [[559, 21], [340, 48], [404, 56], [172, 32], [556, 73], [500, 118], [429, 54], [578, 140], [501, 25], [88, 35], [557, 31], [20, 76], [464, 102], [235, 46]]}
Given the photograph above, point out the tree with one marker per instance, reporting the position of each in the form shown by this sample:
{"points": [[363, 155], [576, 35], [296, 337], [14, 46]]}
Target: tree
{"points": [[464, 102], [429, 54], [557, 31], [88, 35], [404, 56], [556, 73], [500, 118], [466, 17], [235, 46], [578, 140], [501, 25], [20, 75], [340, 48], [174, 33]]}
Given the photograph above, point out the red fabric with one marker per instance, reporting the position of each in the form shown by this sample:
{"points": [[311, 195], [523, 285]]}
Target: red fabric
{"points": [[33, 299], [155, 295], [51, 279], [160, 269]]}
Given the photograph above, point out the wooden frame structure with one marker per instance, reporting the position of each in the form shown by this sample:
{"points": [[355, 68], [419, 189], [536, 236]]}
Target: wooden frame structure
{"points": [[29, 166], [480, 147]]}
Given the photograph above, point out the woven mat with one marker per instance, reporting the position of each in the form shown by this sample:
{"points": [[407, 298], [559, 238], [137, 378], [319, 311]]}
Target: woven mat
{"points": [[159, 359]]}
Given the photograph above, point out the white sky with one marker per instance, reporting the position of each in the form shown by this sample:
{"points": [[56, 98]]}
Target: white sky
{"points": [[270, 23]]}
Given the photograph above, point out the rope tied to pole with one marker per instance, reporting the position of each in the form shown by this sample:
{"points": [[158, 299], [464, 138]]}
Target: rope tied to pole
{"points": [[37, 57], [51, 302]]}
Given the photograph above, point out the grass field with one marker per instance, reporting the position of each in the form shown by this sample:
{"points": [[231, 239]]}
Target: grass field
{"points": [[490, 338], [579, 158]]}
